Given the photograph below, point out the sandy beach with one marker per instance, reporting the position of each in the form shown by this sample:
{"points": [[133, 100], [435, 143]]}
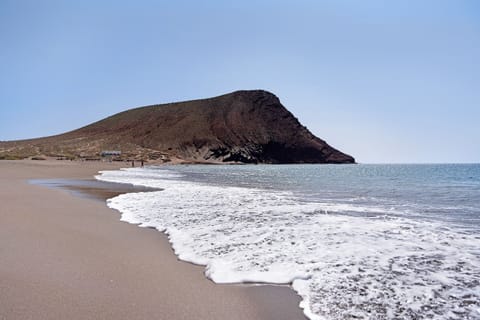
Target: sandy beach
{"points": [[69, 257]]}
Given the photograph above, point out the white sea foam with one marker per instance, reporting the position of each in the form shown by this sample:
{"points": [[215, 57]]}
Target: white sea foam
{"points": [[342, 266]]}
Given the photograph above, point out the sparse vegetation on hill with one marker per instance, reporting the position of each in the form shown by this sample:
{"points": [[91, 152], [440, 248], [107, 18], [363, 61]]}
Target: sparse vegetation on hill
{"points": [[243, 126]]}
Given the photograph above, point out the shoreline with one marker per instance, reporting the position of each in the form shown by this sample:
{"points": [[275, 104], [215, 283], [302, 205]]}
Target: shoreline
{"points": [[85, 263]]}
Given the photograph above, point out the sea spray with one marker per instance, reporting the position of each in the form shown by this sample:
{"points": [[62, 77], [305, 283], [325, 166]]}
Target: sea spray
{"points": [[345, 260]]}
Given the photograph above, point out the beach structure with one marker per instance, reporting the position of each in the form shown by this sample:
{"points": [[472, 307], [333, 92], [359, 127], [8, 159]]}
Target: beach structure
{"points": [[111, 153]]}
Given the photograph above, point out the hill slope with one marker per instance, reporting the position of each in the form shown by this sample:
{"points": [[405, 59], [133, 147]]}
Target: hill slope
{"points": [[243, 126]]}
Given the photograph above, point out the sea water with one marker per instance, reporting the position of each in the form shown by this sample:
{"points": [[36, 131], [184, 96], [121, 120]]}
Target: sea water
{"points": [[355, 241]]}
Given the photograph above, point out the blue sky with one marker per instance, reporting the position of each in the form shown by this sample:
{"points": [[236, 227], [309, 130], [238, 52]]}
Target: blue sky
{"points": [[386, 81]]}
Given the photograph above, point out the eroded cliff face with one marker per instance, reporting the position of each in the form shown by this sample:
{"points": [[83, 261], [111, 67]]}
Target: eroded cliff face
{"points": [[243, 126]]}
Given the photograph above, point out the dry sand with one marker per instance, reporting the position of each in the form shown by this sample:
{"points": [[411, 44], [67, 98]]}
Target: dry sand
{"points": [[67, 257]]}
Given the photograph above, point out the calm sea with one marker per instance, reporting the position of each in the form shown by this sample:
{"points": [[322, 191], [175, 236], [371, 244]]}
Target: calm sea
{"points": [[355, 241]]}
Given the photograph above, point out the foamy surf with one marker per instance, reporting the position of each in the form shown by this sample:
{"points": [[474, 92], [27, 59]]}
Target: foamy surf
{"points": [[343, 266]]}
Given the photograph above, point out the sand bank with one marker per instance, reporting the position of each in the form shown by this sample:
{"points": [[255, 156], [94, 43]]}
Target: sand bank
{"points": [[68, 257]]}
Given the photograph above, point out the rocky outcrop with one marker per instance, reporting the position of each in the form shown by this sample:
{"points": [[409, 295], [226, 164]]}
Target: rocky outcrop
{"points": [[243, 126]]}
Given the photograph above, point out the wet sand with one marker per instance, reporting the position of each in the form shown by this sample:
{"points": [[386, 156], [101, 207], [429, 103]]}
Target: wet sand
{"points": [[91, 188], [69, 257]]}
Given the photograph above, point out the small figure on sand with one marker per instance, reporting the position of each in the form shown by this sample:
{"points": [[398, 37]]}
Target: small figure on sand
{"points": [[133, 163]]}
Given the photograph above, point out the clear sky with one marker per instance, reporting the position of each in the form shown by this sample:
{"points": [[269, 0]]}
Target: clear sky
{"points": [[385, 81]]}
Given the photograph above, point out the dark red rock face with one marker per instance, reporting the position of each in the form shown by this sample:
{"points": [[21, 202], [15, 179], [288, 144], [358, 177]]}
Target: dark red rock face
{"points": [[243, 126]]}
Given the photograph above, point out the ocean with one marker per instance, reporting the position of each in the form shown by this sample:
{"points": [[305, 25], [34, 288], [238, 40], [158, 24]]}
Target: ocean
{"points": [[354, 241]]}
